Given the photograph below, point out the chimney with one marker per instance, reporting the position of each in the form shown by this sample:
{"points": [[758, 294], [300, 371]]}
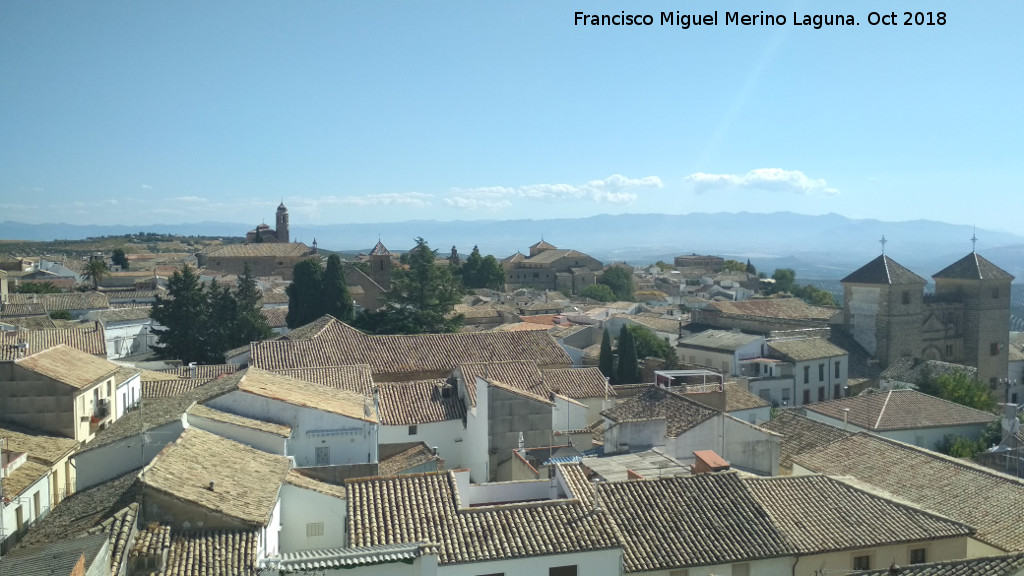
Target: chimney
{"points": [[210, 487]]}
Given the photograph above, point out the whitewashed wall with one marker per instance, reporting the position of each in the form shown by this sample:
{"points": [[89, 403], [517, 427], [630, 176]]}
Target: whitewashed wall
{"points": [[97, 465], [449, 437], [301, 506], [258, 439]]}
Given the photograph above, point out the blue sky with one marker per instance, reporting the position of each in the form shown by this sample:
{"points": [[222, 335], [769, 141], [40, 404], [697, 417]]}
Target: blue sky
{"points": [[126, 112]]}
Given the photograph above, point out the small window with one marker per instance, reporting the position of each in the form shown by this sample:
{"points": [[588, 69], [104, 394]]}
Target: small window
{"points": [[918, 556], [807, 374], [741, 569], [906, 297], [807, 396], [314, 529], [995, 292], [821, 393], [821, 372], [563, 571], [949, 350], [413, 429], [682, 572], [862, 562], [836, 392], [837, 369], [993, 349], [323, 455]]}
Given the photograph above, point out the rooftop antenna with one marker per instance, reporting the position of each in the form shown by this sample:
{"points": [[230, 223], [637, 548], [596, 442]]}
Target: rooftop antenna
{"points": [[974, 239], [883, 242]]}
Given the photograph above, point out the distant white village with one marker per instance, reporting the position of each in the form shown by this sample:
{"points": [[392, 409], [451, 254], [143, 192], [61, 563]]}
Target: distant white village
{"points": [[692, 418]]}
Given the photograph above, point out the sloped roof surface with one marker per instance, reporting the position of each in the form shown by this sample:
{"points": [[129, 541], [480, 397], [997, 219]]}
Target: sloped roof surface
{"points": [[973, 267], [883, 270], [800, 434], [680, 414], [260, 249], [900, 410], [420, 402], [954, 488], [68, 365], [806, 349]]}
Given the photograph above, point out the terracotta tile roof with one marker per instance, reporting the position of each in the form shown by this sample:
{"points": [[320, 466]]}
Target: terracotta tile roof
{"points": [[385, 511], [68, 365], [134, 294], [220, 416], [787, 308], [356, 378], [311, 561], [973, 267], [296, 478], [273, 297], [989, 566], [799, 435], [420, 402], [321, 326], [23, 477], [577, 382], [408, 459], [28, 322], [912, 371], [538, 394], [171, 388], [41, 447], [737, 397], [379, 250], [523, 375], [215, 552], [307, 394], [89, 340], [805, 349], [122, 314], [713, 519], [680, 414], [262, 249], [153, 540], [275, 316], [154, 412], [521, 327], [246, 481], [658, 324], [395, 357], [883, 411], [208, 371], [109, 508], [719, 340], [883, 270], [64, 300], [817, 514], [12, 311], [954, 488], [53, 559]]}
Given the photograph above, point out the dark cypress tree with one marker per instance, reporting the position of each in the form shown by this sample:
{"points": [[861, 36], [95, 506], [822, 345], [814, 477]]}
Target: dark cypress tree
{"points": [[305, 293], [337, 301], [249, 325], [606, 361], [628, 363], [184, 316], [471, 269]]}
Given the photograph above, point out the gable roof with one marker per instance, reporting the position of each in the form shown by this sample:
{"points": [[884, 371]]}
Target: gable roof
{"points": [[70, 366], [973, 267], [680, 414], [419, 402], [957, 489], [913, 371], [1012, 565], [50, 559], [307, 394], [355, 378], [245, 480], [379, 250], [712, 519], [202, 411], [91, 340], [805, 349], [393, 510], [800, 434], [39, 446], [883, 270], [817, 514], [786, 308], [523, 375], [577, 382], [900, 410], [261, 249], [719, 340], [396, 357]]}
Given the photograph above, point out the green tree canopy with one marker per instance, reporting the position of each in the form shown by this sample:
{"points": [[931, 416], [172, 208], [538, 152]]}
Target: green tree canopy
{"points": [[119, 258], [337, 300], [481, 271], [734, 266], [620, 280], [421, 300], [649, 345], [606, 361], [628, 368], [785, 279], [95, 270], [305, 293], [599, 292]]}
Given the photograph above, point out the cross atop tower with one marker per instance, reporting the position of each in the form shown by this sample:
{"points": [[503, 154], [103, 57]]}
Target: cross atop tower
{"points": [[882, 242], [974, 240]]}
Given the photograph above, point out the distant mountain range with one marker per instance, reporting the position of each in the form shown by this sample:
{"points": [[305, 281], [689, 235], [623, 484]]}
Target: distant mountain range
{"points": [[817, 247]]}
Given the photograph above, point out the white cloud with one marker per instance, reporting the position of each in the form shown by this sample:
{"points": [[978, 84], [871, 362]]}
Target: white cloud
{"points": [[770, 179], [414, 199], [147, 187], [612, 189]]}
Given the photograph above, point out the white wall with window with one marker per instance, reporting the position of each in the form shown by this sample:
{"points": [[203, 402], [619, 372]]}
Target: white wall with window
{"points": [[311, 520]]}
